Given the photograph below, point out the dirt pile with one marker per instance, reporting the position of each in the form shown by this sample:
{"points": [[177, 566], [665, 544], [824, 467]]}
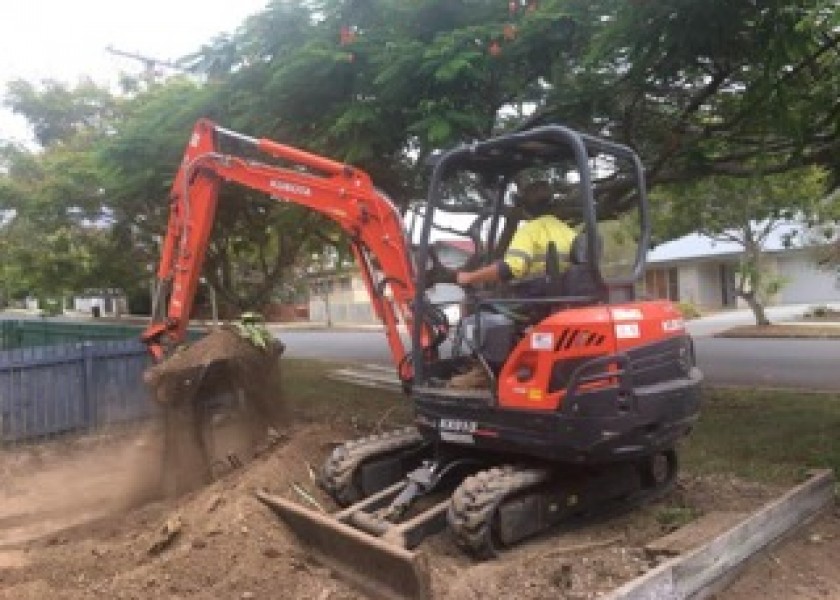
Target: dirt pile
{"points": [[219, 362]]}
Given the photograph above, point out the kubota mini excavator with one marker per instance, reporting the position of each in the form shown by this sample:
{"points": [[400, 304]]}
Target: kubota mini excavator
{"points": [[590, 387]]}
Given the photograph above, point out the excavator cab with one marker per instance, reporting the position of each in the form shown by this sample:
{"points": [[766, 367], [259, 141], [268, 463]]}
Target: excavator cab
{"points": [[587, 182]]}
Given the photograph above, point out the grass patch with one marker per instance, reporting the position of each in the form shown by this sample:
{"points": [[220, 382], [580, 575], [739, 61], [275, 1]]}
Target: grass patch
{"points": [[671, 518], [772, 436], [310, 396]]}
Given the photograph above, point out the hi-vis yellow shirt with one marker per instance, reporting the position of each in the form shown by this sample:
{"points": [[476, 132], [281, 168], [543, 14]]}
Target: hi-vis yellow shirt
{"points": [[526, 254]]}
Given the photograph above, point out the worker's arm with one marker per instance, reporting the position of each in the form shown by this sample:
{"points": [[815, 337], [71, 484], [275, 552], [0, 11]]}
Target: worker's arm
{"points": [[489, 274]]}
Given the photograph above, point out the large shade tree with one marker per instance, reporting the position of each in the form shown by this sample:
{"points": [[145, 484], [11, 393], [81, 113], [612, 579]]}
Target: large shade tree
{"points": [[57, 221], [700, 89]]}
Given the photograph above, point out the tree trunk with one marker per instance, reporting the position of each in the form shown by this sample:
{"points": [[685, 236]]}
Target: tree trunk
{"points": [[757, 308]]}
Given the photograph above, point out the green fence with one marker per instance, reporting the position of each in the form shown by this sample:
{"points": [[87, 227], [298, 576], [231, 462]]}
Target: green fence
{"points": [[33, 333]]}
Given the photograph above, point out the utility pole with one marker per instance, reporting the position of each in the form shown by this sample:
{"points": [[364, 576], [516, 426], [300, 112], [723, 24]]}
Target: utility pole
{"points": [[151, 65]]}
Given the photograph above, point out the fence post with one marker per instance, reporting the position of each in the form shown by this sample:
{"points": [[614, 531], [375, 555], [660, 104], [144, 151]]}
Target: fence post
{"points": [[88, 405]]}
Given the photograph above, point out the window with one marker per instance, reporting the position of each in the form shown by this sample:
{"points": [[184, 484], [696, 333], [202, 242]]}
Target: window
{"points": [[663, 283]]}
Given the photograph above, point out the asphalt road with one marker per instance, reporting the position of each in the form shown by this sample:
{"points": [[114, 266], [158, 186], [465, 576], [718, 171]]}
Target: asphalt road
{"points": [[796, 364]]}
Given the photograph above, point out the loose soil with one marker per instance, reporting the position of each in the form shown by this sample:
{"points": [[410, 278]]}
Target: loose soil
{"points": [[77, 521], [803, 567], [230, 546]]}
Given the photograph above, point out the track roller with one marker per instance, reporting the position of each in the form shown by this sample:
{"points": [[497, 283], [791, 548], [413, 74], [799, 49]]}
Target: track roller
{"points": [[384, 457], [473, 509]]}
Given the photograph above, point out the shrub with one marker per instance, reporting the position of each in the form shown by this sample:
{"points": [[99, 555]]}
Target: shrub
{"points": [[689, 310]]}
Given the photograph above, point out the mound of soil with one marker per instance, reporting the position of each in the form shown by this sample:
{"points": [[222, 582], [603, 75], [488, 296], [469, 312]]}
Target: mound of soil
{"points": [[220, 361]]}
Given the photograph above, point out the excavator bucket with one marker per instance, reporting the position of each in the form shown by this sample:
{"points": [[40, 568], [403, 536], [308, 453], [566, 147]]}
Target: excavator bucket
{"points": [[378, 566], [216, 399]]}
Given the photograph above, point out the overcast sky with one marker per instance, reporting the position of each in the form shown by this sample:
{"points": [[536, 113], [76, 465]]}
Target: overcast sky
{"points": [[66, 39]]}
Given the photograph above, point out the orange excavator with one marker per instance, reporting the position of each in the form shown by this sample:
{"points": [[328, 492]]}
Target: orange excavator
{"points": [[589, 387]]}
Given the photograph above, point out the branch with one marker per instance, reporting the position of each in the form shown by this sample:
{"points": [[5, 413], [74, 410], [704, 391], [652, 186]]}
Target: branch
{"points": [[693, 106], [753, 106]]}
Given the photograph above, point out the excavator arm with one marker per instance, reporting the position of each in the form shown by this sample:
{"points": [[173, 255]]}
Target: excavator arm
{"points": [[340, 192]]}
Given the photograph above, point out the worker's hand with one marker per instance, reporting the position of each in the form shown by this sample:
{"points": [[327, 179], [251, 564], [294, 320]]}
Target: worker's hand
{"points": [[463, 278]]}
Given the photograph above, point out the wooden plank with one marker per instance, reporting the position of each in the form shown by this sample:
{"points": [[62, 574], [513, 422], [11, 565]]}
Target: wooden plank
{"points": [[697, 574]]}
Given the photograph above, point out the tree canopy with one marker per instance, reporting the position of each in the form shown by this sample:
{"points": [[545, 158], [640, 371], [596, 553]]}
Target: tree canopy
{"points": [[699, 89]]}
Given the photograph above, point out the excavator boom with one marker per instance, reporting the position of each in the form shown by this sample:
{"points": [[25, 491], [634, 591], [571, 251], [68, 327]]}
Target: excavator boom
{"points": [[340, 192]]}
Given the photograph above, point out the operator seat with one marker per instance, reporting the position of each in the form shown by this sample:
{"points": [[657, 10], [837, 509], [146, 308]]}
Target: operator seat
{"points": [[578, 279]]}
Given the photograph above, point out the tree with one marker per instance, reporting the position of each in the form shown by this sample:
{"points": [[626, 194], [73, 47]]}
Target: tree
{"points": [[56, 112], [256, 240], [747, 211], [700, 89], [59, 234]]}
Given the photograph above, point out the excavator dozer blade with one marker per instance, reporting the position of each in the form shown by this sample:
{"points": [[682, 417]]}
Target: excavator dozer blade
{"points": [[379, 568]]}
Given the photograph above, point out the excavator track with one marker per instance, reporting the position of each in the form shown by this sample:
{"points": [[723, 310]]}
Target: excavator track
{"points": [[503, 505], [475, 503], [340, 474]]}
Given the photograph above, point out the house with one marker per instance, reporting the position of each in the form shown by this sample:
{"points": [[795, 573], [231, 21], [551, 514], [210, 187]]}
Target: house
{"points": [[341, 295], [698, 269], [104, 302]]}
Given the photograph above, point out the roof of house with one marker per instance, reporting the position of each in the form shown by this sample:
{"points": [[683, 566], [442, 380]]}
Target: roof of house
{"points": [[697, 245]]}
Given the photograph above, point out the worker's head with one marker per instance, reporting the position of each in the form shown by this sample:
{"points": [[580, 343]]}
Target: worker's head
{"points": [[534, 199]]}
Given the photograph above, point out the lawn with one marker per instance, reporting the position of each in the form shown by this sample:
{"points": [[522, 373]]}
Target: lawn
{"points": [[765, 435]]}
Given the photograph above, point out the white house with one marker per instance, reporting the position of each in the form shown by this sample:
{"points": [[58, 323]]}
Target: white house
{"points": [[698, 269], [344, 296]]}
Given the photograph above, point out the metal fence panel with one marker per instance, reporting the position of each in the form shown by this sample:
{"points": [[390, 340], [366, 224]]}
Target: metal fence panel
{"points": [[53, 389], [28, 333]]}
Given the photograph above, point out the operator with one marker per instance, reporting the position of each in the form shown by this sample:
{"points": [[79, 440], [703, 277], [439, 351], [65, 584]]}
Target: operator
{"points": [[525, 257], [526, 254]]}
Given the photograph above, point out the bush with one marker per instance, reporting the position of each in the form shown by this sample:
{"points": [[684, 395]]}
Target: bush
{"points": [[689, 310], [821, 312]]}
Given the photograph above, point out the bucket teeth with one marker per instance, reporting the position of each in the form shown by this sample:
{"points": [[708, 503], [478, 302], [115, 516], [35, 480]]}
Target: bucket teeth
{"points": [[380, 568]]}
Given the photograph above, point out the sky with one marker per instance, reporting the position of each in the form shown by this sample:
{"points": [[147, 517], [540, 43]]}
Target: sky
{"points": [[67, 39]]}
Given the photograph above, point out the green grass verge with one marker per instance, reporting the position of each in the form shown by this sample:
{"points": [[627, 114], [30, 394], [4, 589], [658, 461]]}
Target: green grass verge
{"points": [[772, 436], [310, 396], [769, 436]]}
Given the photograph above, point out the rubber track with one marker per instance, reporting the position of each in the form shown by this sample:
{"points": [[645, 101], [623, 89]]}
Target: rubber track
{"points": [[473, 506], [338, 473]]}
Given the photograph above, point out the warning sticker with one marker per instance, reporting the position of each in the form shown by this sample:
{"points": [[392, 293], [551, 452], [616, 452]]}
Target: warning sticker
{"points": [[542, 341], [627, 314], [625, 331], [673, 325]]}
